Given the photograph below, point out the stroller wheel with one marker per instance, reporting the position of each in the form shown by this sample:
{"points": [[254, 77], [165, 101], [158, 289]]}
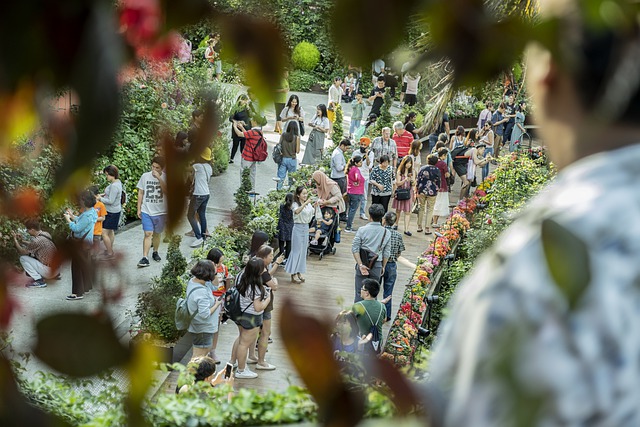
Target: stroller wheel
{"points": [[321, 255]]}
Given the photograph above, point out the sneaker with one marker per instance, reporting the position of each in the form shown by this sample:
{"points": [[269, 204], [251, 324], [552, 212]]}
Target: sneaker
{"points": [[144, 262], [246, 374], [252, 360], [266, 367], [156, 257], [196, 243], [36, 284], [230, 161], [270, 340], [313, 242], [363, 216], [348, 230], [190, 233]]}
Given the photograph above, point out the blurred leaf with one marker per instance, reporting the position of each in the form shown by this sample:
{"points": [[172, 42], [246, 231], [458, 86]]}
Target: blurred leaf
{"points": [[567, 259], [402, 394], [260, 48], [180, 13], [25, 203], [140, 370], [307, 342], [375, 27], [19, 115], [79, 345], [14, 409]]}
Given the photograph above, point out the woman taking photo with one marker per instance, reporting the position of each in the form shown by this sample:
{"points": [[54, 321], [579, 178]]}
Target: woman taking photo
{"points": [[265, 253], [293, 113], [303, 212], [203, 306], [111, 198], [254, 298], [381, 182], [241, 116], [81, 227], [315, 144], [405, 182]]}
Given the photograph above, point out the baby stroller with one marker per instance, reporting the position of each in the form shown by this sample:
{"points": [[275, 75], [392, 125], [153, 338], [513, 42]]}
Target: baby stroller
{"points": [[327, 240]]}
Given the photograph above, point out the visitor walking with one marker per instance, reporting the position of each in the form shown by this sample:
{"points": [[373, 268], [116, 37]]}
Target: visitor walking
{"points": [[289, 147], [241, 115], [384, 145], [376, 97], [518, 128], [357, 113], [404, 195], [355, 189], [441, 208], [252, 149], [112, 198], [403, 139], [293, 114], [152, 209], [333, 100], [202, 172], [427, 186], [365, 170], [319, 126], [381, 181], [285, 226], [203, 306], [391, 270], [303, 213]]}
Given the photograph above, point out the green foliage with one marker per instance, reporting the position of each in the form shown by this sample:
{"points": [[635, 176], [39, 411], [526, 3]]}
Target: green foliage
{"points": [[385, 119], [302, 81], [242, 213], [156, 307], [338, 130], [305, 57]]}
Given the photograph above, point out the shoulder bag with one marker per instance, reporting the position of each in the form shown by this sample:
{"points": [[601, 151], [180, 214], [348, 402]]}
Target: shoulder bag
{"points": [[368, 257]]}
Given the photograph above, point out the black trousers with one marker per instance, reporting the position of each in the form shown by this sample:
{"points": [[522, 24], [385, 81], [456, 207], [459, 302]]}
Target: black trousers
{"points": [[237, 142], [284, 247], [81, 272], [383, 200]]}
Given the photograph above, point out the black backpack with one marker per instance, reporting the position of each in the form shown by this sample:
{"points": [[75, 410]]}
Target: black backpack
{"points": [[123, 197]]}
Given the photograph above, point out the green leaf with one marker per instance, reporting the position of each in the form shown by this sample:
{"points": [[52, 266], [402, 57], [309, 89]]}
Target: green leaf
{"points": [[78, 344], [567, 259]]}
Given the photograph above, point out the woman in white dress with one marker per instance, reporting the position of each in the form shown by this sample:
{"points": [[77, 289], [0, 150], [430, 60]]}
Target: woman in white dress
{"points": [[303, 213], [293, 112], [319, 127]]}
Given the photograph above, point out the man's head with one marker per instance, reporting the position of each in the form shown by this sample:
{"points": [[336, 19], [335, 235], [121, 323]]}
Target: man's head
{"points": [[376, 212], [432, 159], [359, 95], [380, 82], [370, 288], [337, 81], [345, 144], [398, 127], [32, 226], [390, 218], [157, 164], [386, 133], [442, 153], [501, 107]]}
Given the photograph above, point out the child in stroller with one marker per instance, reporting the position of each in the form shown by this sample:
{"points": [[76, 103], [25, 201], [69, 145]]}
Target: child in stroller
{"points": [[324, 226]]}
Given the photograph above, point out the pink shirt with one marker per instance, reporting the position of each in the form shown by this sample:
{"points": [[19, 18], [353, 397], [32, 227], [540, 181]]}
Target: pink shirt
{"points": [[355, 181]]}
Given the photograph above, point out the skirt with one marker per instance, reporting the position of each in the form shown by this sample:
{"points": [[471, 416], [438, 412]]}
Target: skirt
{"points": [[441, 207], [403, 205], [313, 149], [297, 261]]}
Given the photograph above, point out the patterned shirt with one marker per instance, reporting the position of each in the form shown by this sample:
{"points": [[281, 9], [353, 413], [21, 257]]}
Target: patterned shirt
{"points": [[512, 337], [397, 244], [42, 248], [383, 177], [381, 147], [428, 180]]}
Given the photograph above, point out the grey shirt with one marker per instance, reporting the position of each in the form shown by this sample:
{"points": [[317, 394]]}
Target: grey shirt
{"points": [[338, 164], [200, 302], [369, 237], [112, 197]]}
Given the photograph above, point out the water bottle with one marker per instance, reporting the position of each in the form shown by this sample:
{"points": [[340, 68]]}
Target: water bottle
{"points": [[337, 239]]}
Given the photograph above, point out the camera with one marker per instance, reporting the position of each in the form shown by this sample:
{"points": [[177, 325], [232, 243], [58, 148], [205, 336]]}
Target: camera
{"points": [[431, 299]]}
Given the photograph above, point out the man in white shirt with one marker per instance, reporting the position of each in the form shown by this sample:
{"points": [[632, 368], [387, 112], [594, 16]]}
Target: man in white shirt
{"points": [[334, 99], [152, 208]]}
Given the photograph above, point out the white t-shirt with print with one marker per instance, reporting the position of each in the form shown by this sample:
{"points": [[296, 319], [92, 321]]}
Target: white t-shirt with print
{"points": [[153, 202]]}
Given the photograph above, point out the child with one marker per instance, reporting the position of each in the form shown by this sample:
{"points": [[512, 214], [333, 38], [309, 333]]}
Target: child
{"points": [[358, 107], [441, 207], [348, 86], [345, 338], [285, 226], [97, 229], [324, 225]]}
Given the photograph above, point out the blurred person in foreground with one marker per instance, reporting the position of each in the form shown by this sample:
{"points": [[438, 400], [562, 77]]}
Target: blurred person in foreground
{"points": [[517, 344]]}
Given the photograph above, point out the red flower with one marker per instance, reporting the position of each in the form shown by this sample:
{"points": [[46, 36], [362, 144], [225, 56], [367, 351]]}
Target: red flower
{"points": [[140, 20]]}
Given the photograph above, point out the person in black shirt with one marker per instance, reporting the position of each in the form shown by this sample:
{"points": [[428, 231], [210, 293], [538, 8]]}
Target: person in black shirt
{"points": [[510, 112], [240, 115], [377, 96]]}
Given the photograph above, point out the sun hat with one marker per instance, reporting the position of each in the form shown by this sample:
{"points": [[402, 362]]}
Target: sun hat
{"points": [[206, 154]]}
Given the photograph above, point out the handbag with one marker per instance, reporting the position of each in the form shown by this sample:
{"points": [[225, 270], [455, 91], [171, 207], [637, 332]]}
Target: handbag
{"points": [[301, 122], [403, 194], [368, 257], [451, 180]]}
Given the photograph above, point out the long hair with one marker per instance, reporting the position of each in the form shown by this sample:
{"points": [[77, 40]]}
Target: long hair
{"points": [[408, 118], [323, 110], [415, 148], [290, 132], [347, 316], [288, 200], [406, 166], [251, 280], [297, 108], [299, 191], [471, 137], [258, 239]]}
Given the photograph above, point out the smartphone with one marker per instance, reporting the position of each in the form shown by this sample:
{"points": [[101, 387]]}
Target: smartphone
{"points": [[227, 370]]}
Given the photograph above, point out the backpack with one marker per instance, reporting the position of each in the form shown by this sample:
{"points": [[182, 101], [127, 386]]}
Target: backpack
{"points": [[123, 197], [232, 304], [457, 154], [182, 316], [276, 154], [374, 346], [260, 150]]}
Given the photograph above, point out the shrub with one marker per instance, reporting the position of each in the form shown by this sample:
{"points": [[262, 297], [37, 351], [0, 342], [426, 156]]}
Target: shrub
{"points": [[302, 81], [338, 131], [242, 213], [305, 56]]}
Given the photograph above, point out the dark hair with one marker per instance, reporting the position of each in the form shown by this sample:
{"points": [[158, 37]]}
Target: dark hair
{"points": [[408, 117], [94, 189], [112, 170], [87, 199], [460, 130], [471, 136], [299, 190], [501, 105], [359, 92], [384, 158], [251, 280], [520, 106], [337, 78], [443, 137], [323, 110], [376, 212], [432, 159], [372, 286], [215, 255], [288, 200], [196, 113], [264, 251], [381, 78], [439, 145], [290, 131], [32, 224], [206, 367], [204, 270], [353, 161], [181, 138], [297, 109], [488, 104], [258, 239], [347, 316], [442, 152], [488, 122], [390, 217], [481, 146], [345, 142], [159, 160]]}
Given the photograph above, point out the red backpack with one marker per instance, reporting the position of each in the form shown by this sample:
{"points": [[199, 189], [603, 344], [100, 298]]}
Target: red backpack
{"points": [[260, 153]]}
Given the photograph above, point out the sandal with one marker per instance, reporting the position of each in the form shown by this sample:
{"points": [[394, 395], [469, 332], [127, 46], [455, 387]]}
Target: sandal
{"points": [[74, 297], [419, 230], [301, 278], [294, 280]]}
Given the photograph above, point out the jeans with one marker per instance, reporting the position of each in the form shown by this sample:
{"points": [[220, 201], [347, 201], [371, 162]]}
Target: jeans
{"points": [[288, 165], [389, 280], [374, 274], [355, 124], [354, 201], [485, 168], [198, 204], [363, 205]]}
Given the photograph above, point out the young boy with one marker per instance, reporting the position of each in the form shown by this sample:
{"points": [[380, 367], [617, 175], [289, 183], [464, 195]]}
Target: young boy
{"points": [[152, 208], [324, 226], [358, 107], [97, 229]]}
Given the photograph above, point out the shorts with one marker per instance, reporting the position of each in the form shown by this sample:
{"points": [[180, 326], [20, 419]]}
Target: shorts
{"points": [[202, 339], [410, 99], [218, 66], [249, 321], [153, 223], [266, 315], [111, 221], [97, 238]]}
